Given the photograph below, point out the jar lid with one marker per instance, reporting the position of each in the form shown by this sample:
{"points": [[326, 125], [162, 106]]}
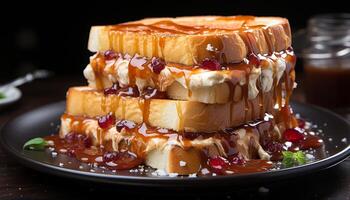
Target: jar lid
{"points": [[328, 36]]}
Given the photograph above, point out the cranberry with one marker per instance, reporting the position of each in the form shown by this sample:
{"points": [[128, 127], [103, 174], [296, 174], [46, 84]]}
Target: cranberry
{"points": [[87, 142], [106, 121], [301, 123], [253, 59], [293, 135], [80, 137], [157, 65], [125, 124], [110, 156], [210, 64], [274, 147], [70, 137], [218, 162], [112, 90], [236, 159], [123, 160], [71, 152], [110, 54]]}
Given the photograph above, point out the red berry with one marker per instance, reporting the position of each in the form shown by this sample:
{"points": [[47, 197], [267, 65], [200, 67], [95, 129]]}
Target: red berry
{"points": [[110, 156], [236, 159], [293, 135], [301, 123], [71, 152], [253, 59], [80, 137], [157, 65], [122, 160], [112, 90], [274, 147], [218, 162], [106, 121], [110, 54], [210, 64], [70, 137], [289, 50], [87, 142], [125, 124]]}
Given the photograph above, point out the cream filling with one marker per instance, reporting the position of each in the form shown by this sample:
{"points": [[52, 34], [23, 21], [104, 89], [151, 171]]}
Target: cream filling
{"points": [[253, 77], [90, 127], [198, 80], [280, 68], [266, 78]]}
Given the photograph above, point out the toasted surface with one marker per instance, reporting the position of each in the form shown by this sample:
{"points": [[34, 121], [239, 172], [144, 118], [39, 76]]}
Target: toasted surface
{"points": [[189, 40], [165, 152], [172, 114]]}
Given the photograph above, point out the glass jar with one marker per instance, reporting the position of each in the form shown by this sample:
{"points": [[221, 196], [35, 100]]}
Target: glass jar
{"points": [[327, 61]]}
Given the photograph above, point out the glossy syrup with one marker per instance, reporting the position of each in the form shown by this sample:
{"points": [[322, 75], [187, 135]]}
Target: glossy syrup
{"points": [[132, 153], [143, 68]]}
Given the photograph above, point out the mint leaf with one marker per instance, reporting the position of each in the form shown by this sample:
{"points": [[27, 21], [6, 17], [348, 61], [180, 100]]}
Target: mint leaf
{"points": [[2, 95], [287, 159], [291, 159], [36, 144], [300, 157]]}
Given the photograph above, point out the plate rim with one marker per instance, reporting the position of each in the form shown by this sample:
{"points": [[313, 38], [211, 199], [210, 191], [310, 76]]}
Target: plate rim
{"points": [[166, 181], [9, 100]]}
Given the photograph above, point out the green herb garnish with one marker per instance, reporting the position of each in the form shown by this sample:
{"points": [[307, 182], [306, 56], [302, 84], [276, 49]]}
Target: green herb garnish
{"points": [[2, 95], [291, 159], [36, 144]]}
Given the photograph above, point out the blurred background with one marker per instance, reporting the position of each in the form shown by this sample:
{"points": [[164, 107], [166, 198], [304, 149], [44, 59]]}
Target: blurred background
{"points": [[53, 35]]}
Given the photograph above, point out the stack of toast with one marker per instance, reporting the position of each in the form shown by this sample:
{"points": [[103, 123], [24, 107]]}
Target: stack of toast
{"points": [[175, 92]]}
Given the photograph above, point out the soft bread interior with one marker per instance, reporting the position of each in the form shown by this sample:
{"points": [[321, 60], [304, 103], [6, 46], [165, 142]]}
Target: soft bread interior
{"points": [[172, 114]]}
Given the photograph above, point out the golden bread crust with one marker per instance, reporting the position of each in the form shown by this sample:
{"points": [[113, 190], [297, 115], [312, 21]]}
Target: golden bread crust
{"points": [[185, 40]]}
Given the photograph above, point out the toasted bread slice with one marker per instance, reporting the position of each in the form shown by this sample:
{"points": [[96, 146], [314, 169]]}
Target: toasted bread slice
{"points": [[189, 40], [165, 152], [172, 114]]}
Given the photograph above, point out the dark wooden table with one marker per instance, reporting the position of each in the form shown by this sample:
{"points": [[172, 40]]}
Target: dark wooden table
{"points": [[18, 182]]}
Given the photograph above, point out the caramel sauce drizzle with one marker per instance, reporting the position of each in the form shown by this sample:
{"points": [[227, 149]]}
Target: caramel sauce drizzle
{"points": [[145, 132], [278, 95], [103, 103], [289, 75], [252, 48], [98, 64], [154, 46], [123, 107], [120, 41], [144, 105], [261, 101], [140, 134], [140, 67], [185, 27], [180, 116]]}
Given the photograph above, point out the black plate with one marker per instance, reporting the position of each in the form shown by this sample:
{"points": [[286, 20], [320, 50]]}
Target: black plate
{"points": [[44, 121]]}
